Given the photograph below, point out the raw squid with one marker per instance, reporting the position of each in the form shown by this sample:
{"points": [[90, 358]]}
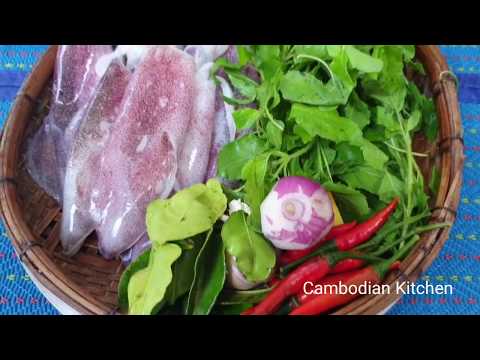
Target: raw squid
{"points": [[136, 250], [133, 55], [140, 160], [74, 82], [194, 158], [81, 212]]}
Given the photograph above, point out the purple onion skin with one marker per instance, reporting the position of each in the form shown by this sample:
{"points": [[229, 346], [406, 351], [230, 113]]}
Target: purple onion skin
{"points": [[235, 278], [297, 214]]}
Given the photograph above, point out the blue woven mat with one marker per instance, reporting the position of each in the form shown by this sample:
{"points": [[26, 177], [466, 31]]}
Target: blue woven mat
{"points": [[458, 263]]}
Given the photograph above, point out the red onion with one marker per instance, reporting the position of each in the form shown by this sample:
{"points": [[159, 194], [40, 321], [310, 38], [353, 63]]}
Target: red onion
{"points": [[235, 278], [297, 214]]}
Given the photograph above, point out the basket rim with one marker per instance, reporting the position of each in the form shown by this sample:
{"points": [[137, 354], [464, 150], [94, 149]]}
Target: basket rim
{"points": [[50, 277]]}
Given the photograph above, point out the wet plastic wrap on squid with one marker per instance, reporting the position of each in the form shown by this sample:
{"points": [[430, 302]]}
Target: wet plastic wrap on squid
{"points": [[83, 200], [141, 158], [75, 80], [195, 154], [212, 126]]}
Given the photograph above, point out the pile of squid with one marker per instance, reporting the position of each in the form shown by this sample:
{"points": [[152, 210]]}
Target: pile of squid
{"points": [[128, 124]]}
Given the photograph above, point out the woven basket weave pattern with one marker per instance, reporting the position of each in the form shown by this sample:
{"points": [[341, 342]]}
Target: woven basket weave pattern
{"points": [[88, 283]]}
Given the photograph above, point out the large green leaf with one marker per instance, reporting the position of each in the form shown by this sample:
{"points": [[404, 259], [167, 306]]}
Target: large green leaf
{"points": [[235, 155], [374, 157], [256, 187], [140, 263], [183, 270], [209, 276], [255, 257], [390, 187], [147, 287], [352, 203], [326, 124], [363, 62], [318, 51], [189, 212], [364, 178], [305, 88], [358, 111]]}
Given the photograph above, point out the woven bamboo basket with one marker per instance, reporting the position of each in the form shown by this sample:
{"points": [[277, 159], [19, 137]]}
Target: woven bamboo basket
{"points": [[87, 283]]}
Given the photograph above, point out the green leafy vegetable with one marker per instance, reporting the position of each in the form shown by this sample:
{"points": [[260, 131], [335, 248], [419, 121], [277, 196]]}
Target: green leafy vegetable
{"points": [[234, 156], [352, 203], [307, 89], [140, 263], [147, 287], [246, 118], [183, 271], [256, 187], [209, 276], [358, 111], [186, 214], [254, 255], [363, 62], [235, 297], [326, 124]]}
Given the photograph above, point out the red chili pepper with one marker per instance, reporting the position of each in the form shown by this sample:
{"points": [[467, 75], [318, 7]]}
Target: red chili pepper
{"points": [[354, 237], [365, 230], [347, 265], [313, 270], [395, 265], [370, 275], [290, 256], [303, 298], [325, 302], [274, 281], [336, 278], [248, 311]]}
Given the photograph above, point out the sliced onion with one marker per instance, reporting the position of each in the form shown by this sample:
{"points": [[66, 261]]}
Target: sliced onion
{"points": [[297, 214]]}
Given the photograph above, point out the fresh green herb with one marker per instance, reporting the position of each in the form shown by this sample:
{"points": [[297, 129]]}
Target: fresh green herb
{"points": [[187, 214], [209, 276], [254, 255], [343, 115]]}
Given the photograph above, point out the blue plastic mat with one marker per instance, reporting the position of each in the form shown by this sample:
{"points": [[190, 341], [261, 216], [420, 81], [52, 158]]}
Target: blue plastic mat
{"points": [[458, 264]]}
